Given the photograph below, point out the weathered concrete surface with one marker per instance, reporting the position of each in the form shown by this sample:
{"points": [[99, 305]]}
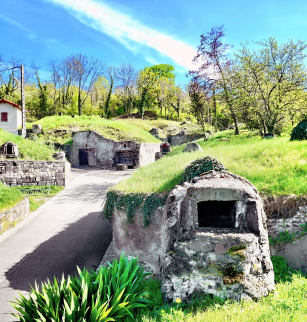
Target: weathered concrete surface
{"points": [[147, 243], [296, 253], [148, 153], [63, 233], [33, 173], [14, 215]]}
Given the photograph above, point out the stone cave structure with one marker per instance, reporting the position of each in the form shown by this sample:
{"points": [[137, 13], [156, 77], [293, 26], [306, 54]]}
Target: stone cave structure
{"points": [[209, 238]]}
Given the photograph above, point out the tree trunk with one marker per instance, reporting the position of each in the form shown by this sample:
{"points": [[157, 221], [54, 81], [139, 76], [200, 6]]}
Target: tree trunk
{"points": [[106, 110]]}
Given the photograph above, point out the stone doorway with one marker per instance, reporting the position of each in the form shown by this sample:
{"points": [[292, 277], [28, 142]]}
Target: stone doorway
{"points": [[9, 149], [83, 157], [125, 157], [217, 214]]}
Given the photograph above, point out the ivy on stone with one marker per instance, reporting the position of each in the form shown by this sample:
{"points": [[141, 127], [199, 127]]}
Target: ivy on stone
{"points": [[300, 131], [201, 165], [130, 202]]}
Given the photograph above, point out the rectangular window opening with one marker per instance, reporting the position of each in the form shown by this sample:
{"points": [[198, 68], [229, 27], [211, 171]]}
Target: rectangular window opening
{"points": [[217, 214], [4, 117]]}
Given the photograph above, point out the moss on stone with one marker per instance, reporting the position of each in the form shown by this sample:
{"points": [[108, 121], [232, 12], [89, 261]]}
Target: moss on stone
{"points": [[237, 251]]}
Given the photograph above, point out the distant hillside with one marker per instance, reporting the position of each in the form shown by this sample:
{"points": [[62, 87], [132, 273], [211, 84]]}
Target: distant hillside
{"points": [[60, 129], [28, 150]]}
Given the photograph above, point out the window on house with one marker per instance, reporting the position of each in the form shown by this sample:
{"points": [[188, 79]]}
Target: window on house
{"points": [[4, 117]]}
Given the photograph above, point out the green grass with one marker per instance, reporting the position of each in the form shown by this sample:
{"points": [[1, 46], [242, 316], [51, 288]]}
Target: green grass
{"points": [[275, 167], [165, 127], [28, 150], [9, 197], [113, 129], [287, 303]]}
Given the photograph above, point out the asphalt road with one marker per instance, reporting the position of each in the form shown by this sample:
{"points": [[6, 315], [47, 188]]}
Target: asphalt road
{"points": [[64, 233]]}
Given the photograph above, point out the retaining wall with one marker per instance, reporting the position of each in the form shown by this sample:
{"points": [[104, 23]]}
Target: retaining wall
{"points": [[14, 215], [34, 173]]}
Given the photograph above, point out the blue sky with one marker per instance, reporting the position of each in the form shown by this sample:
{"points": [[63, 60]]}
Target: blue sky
{"points": [[143, 32]]}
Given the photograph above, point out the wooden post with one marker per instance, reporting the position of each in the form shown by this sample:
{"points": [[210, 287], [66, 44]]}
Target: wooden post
{"points": [[23, 104]]}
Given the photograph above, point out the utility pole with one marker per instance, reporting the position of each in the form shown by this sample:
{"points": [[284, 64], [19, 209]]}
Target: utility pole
{"points": [[23, 104]]}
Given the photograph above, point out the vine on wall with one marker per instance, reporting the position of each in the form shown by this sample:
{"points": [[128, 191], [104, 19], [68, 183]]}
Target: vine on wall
{"points": [[147, 202]]}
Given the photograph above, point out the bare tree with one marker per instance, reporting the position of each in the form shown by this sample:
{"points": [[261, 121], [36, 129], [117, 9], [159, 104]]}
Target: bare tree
{"points": [[127, 75], [86, 72]]}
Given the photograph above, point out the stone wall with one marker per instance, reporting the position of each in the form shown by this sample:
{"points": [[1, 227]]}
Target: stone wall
{"points": [[148, 153], [34, 173], [14, 215], [183, 137], [105, 153], [292, 224]]}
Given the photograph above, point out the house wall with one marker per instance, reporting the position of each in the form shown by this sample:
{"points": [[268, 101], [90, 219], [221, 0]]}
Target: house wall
{"points": [[103, 151], [34, 173], [14, 118]]}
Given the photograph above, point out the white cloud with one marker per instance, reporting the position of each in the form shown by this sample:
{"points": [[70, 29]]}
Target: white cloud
{"points": [[18, 25], [128, 31]]}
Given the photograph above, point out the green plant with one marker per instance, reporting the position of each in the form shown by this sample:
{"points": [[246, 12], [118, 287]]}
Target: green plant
{"points": [[282, 271], [300, 131], [13, 223], [237, 251], [9, 197], [130, 202], [113, 292], [200, 166]]}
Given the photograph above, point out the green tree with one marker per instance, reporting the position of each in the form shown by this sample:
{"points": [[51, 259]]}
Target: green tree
{"points": [[271, 82]]}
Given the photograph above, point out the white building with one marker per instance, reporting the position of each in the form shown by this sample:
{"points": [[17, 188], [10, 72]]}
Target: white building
{"points": [[10, 116]]}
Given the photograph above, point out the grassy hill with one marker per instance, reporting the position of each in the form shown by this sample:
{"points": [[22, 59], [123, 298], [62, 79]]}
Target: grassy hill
{"points": [[60, 129], [28, 150], [275, 167]]}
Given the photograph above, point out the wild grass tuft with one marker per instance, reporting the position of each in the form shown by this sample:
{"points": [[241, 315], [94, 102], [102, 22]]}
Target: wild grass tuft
{"points": [[9, 197]]}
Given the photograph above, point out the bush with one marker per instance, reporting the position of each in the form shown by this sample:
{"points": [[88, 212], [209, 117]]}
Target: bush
{"points": [[282, 272], [112, 293], [300, 131], [200, 166]]}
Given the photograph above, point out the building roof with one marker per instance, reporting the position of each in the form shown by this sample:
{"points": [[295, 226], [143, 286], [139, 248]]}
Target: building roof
{"points": [[5, 101]]}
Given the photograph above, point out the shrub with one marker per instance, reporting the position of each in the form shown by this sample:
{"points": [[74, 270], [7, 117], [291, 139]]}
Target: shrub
{"points": [[282, 272], [200, 166], [300, 131], [113, 292]]}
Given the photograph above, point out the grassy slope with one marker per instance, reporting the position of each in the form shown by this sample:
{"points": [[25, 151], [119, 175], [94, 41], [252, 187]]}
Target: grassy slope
{"points": [[28, 150], [112, 129], [165, 127], [274, 166], [9, 197]]}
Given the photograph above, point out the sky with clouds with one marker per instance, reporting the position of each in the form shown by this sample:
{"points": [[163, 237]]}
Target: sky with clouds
{"points": [[144, 32]]}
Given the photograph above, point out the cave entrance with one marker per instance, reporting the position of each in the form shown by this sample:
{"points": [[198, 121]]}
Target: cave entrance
{"points": [[217, 214]]}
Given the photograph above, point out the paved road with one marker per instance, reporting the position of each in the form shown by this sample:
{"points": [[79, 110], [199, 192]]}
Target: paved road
{"points": [[64, 233]]}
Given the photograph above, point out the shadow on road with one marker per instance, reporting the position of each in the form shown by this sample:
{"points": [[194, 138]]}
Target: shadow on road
{"points": [[82, 244]]}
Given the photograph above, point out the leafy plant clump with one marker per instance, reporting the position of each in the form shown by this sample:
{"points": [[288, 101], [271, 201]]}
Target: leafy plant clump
{"points": [[112, 293], [282, 272], [200, 166], [130, 202], [300, 131]]}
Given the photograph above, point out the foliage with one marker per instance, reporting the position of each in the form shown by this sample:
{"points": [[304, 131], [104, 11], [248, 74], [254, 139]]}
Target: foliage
{"points": [[282, 272], [300, 131], [200, 166], [111, 293], [148, 203], [9, 197], [270, 82]]}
